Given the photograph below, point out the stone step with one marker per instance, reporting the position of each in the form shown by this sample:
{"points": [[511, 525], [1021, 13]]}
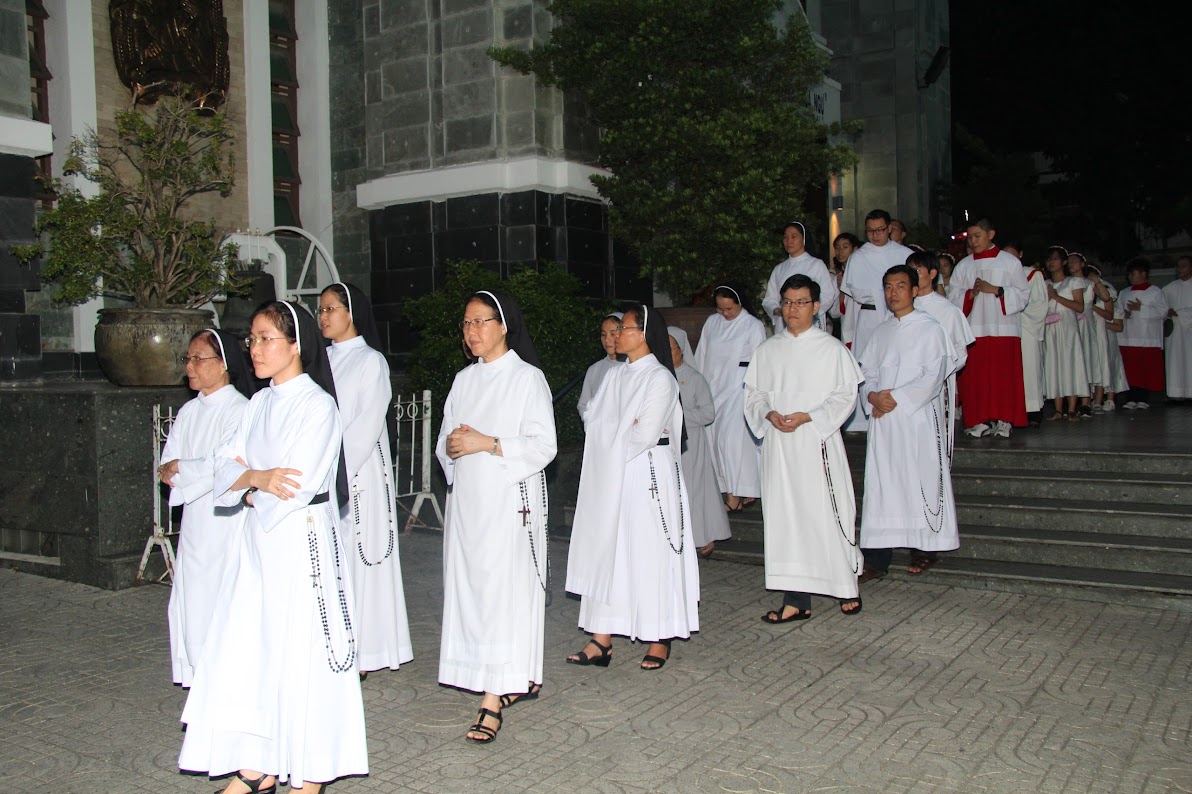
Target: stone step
{"points": [[1167, 591], [1089, 550], [1167, 466], [1094, 487], [1125, 518]]}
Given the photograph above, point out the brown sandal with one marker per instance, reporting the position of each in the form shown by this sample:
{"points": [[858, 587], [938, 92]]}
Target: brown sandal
{"points": [[921, 565]]}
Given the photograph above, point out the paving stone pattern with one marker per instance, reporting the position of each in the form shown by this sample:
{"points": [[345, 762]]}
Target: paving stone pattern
{"points": [[934, 688]]}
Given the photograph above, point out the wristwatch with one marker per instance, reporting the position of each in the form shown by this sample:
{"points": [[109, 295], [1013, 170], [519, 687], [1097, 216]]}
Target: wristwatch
{"points": [[1001, 291], [496, 441]]}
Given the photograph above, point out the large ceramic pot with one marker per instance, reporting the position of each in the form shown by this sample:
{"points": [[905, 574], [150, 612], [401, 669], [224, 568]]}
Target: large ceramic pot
{"points": [[140, 347]]}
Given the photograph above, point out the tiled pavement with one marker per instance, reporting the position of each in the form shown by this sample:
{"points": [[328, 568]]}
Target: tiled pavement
{"points": [[933, 688]]}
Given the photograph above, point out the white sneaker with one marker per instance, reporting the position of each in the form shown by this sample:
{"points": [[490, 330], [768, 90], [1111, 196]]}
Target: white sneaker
{"points": [[977, 431], [1097, 408], [1130, 406], [1108, 406], [1141, 405], [1001, 429]]}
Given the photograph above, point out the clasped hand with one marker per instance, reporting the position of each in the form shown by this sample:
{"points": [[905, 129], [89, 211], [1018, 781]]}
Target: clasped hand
{"points": [[981, 285], [166, 471], [277, 482], [883, 403], [788, 423], [465, 440]]}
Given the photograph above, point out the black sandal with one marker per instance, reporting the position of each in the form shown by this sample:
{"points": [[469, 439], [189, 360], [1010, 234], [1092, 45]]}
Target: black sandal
{"points": [[254, 786], [774, 616], [606, 655], [850, 612], [658, 661], [487, 734], [531, 694]]}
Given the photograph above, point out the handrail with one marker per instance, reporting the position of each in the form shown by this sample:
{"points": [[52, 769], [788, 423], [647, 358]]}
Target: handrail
{"points": [[568, 386]]}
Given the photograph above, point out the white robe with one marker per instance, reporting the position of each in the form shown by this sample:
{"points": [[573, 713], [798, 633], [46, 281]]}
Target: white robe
{"points": [[863, 283], [494, 555], [1093, 358], [277, 688], [1117, 369], [1033, 318], [908, 481], [961, 336], [810, 525], [1097, 353], [209, 534], [1064, 373], [813, 268], [991, 315], [1144, 326], [1179, 345], [369, 524], [632, 555], [724, 346], [592, 380], [709, 521]]}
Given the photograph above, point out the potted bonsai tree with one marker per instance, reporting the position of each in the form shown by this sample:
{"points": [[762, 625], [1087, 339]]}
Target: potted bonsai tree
{"points": [[134, 239]]}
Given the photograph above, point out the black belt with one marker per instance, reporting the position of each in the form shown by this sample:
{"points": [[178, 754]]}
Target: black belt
{"points": [[869, 306], [664, 442], [743, 364], [319, 499]]}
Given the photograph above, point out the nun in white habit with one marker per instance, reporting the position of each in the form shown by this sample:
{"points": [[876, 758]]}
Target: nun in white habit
{"points": [[369, 519], [595, 374], [216, 369], [709, 522], [632, 558], [276, 695], [498, 436], [726, 346]]}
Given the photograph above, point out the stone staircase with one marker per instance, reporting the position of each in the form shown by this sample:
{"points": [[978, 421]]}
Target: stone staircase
{"points": [[1100, 526]]}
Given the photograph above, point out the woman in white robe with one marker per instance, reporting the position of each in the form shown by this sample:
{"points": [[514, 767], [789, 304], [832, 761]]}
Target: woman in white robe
{"points": [[1117, 369], [1064, 374], [726, 345], [369, 519], [216, 369], [498, 436], [709, 522], [632, 558], [799, 260], [1077, 266], [800, 389], [276, 696], [595, 374]]}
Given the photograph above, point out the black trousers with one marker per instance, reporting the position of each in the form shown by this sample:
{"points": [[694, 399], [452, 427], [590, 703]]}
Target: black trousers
{"points": [[800, 601], [880, 558]]}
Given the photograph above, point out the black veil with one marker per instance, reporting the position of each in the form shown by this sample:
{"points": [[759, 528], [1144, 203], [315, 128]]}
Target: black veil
{"points": [[361, 311], [517, 338], [231, 350]]}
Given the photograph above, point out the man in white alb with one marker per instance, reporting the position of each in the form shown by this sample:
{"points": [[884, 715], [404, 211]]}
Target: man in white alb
{"points": [[990, 288], [800, 388], [1179, 343], [1141, 340], [908, 483]]}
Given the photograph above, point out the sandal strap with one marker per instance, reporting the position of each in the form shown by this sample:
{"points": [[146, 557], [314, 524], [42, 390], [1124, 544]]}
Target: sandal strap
{"points": [[253, 785]]}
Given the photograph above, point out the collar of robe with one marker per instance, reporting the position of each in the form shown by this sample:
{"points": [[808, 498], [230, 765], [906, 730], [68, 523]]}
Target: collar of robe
{"points": [[218, 395], [990, 253]]}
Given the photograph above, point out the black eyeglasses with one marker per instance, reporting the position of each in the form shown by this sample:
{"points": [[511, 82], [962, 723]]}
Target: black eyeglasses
{"points": [[196, 360]]}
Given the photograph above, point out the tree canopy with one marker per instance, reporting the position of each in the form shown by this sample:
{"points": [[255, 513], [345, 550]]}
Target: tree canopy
{"points": [[705, 126]]}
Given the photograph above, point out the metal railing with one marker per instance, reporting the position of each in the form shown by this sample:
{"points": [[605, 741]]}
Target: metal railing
{"points": [[412, 466], [162, 526]]}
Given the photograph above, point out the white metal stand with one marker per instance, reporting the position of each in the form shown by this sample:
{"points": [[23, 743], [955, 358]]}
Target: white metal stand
{"points": [[414, 423], [162, 527]]}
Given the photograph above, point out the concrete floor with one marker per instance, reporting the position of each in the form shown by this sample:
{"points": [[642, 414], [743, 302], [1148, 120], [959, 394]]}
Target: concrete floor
{"points": [[934, 688]]}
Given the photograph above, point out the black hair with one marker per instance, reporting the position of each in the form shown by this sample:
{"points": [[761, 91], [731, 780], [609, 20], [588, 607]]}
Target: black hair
{"points": [[852, 238], [733, 293], [927, 261], [905, 270], [802, 281], [1139, 263], [802, 230], [983, 223], [878, 215]]}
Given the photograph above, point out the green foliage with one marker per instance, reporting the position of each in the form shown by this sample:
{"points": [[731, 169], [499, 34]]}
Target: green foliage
{"points": [[565, 330], [132, 240], [704, 125]]}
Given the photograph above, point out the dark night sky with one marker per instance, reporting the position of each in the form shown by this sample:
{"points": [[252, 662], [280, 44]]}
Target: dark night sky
{"points": [[1104, 88]]}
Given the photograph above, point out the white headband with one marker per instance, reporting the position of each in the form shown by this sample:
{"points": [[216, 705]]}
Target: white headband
{"points": [[500, 311], [730, 289], [222, 353], [645, 318], [802, 228], [297, 332], [347, 292]]}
